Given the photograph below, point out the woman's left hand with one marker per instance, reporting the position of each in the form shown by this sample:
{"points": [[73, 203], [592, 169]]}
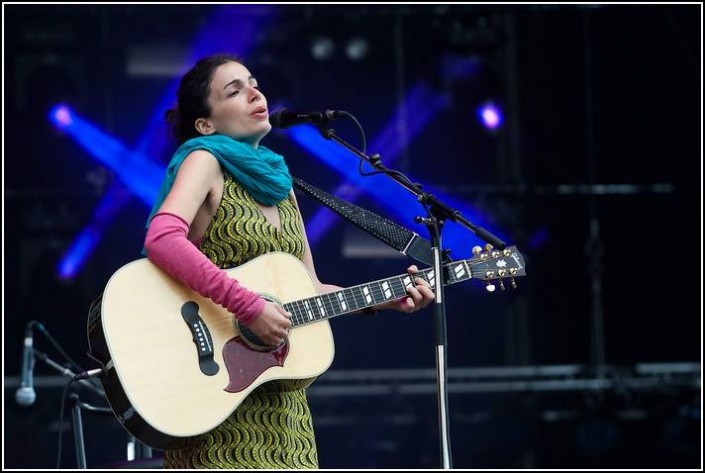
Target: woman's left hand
{"points": [[419, 296]]}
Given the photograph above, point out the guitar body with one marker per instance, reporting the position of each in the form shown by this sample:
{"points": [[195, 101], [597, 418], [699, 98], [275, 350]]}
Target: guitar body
{"points": [[157, 385]]}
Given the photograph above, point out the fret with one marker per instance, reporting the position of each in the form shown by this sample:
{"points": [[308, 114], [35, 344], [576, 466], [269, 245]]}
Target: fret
{"points": [[458, 271], [387, 292], [367, 295], [316, 305], [398, 288], [407, 281], [467, 267], [355, 296], [359, 297], [321, 308], [335, 305], [368, 298], [448, 274], [294, 316], [318, 310], [350, 299], [429, 275], [384, 291], [308, 309], [342, 302], [328, 301], [289, 307], [301, 310], [377, 295]]}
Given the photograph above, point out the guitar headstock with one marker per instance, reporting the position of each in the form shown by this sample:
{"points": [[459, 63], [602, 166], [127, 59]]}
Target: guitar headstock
{"points": [[490, 264]]}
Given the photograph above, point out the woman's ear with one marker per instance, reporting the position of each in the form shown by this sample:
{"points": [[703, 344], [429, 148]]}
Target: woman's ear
{"points": [[204, 126]]}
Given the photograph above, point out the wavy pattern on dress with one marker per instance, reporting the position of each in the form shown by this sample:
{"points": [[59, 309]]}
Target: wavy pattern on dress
{"points": [[239, 231], [271, 428]]}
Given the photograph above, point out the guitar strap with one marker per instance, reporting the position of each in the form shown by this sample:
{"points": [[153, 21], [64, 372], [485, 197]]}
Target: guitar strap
{"points": [[405, 241]]}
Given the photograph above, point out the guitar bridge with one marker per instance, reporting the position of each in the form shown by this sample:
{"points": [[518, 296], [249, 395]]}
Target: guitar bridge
{"points": [[201, 337]]}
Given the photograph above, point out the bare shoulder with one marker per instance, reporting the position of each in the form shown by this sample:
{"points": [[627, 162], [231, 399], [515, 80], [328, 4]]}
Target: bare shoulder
{"points": [[199, 169], [198, 176], [201, 161]]}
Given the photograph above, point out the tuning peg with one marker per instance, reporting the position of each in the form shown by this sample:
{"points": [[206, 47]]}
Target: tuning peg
{"points": [[477, 251], [501, 284], [490, 287], [514, 284]]}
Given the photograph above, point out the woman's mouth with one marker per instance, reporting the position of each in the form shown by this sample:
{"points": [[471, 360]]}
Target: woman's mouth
{"points": [[260, 112]]}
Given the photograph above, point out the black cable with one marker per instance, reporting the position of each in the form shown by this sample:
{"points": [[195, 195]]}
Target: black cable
{"points": [[61, 422], [359, 127], [375, 158]]}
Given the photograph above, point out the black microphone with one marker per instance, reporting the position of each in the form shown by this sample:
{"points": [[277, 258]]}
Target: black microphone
{"points": [[25, 395], [285, 118]]}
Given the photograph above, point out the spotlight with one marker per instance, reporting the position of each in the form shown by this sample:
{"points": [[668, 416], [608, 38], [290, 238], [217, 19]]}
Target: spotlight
{"points": [[356, 49], [60, 115], [322, 48], [490, 115]]}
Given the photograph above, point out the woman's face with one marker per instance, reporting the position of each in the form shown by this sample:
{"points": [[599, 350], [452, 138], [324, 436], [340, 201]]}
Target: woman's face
{"points": [[238, 108]]}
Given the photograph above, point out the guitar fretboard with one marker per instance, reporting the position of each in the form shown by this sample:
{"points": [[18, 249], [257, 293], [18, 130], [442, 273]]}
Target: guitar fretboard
{"points": [[355, 298]]}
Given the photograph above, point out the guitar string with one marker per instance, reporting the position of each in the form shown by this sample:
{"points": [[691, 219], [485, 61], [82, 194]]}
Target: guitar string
{"points": [[376, 293], [332, 305]]}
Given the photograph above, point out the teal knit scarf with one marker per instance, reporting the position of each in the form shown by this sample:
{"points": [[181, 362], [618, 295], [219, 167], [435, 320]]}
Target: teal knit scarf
{"points": [[259, 170]]}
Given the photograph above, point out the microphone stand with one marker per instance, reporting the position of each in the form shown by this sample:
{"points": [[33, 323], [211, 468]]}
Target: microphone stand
{"points": [[76, 404], [77, 423], [438, 212]]}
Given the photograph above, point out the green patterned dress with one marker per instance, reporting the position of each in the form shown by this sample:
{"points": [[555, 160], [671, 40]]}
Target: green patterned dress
{"points": [[272, 428]]}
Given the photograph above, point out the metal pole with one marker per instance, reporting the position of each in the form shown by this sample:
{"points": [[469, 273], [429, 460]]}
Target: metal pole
{"points": [[77, 427]]}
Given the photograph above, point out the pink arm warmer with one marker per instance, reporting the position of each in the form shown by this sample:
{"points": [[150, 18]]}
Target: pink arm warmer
{"points": [[168, 247]]}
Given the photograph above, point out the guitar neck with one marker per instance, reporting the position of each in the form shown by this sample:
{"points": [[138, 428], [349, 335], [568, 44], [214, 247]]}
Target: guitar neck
{"points": [[355, 298]]}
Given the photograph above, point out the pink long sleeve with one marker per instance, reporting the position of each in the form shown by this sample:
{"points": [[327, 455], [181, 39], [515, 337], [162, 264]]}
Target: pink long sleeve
{"points": [[168, 247]]}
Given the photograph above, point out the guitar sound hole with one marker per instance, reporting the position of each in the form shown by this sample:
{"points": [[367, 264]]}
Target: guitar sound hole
{"points": [[249, 337], [253, 341]]}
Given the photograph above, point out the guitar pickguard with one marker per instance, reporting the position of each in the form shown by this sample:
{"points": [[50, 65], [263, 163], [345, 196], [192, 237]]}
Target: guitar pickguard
{"points": [[245, 364]]}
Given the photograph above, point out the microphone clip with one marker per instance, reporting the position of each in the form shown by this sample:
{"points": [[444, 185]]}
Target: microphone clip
{"points": [[98, 372], [285, 118]]}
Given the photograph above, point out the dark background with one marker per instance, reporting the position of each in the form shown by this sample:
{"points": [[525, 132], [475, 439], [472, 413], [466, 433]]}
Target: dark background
{"points": [[603, 132]]}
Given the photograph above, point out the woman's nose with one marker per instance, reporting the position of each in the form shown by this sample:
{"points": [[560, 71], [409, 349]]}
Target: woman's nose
{"points": [[255, 94]]}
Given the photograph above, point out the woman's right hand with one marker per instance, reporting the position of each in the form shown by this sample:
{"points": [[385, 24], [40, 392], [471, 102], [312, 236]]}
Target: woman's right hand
{"points": [[272, 325]]}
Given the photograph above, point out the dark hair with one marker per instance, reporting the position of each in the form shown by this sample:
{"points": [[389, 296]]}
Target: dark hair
{"points": [[192, 97]]}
